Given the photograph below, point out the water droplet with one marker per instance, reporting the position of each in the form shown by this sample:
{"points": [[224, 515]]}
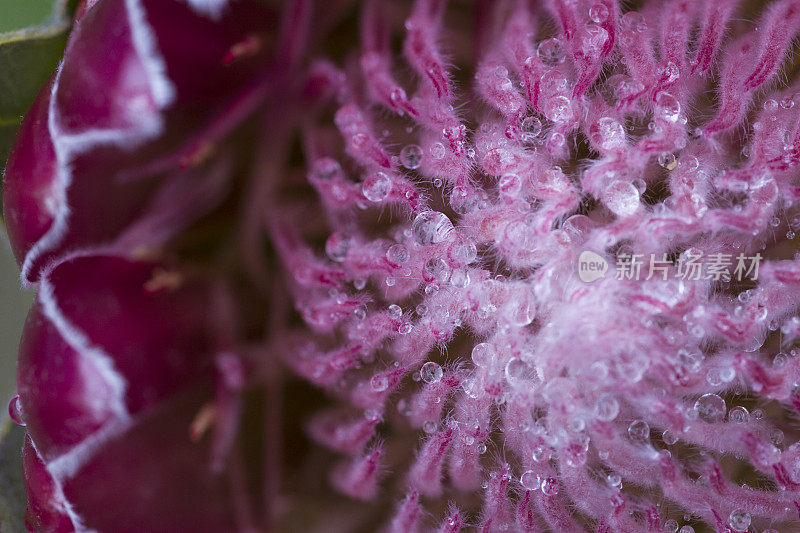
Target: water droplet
{"points": [[622, 198], [520, 374], [607, 408], [482, 354], [634, 21], [669, 72], [530, 480], [668, 106], [727, 374], [430, 427], [686, 529], [691, 361], [739, 414], [459, 278], [625, 88], [669, 437], [437, 150], [608, 134], [770, 105], [593, 39], [431, 227], [541, 454], [436, 269], [559, 109], [690, 162], [336, 247], [671, 525], [739, 520], [397, 254], [550, 486], [667, 160], [598, 13], [519, 309], [639, 431], [463, 251], [379, 382], [551, 52], [411, 156], [326, 169], [463, 199], [509, 185], [554, 81], [15, 411], [376, 187], [481, 448], [530, 127], [359, 140], [710, 408], [395, 311], [431, 372]]}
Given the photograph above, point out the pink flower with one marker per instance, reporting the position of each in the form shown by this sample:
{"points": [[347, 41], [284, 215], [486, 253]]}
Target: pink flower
{"points": [[554, 288], [631, 401]]}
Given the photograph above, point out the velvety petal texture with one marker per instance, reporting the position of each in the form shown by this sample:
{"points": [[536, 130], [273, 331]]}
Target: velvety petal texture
{"points": [[131, 108], [116, 360]]}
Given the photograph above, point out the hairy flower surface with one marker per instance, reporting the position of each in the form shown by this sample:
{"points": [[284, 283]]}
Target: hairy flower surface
{"points": [[626, 402], [542, 253]]}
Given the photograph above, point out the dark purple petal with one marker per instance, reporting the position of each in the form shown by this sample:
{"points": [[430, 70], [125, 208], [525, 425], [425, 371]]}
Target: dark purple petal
{"points": [[138, 101]]}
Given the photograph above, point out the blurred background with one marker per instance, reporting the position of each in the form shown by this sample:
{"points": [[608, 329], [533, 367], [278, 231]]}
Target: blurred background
{"points": [[14, 303], [16, 14]]}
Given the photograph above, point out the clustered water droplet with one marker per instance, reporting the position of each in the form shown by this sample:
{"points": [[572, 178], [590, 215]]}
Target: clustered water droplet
{"points": [[739, 520], [551, 52], [550, 486], [431, 372], [376, 187], [639, 431], [607, 408], [710, 408], [411, 156], [379, 382], [739, 415], [431, 227]]}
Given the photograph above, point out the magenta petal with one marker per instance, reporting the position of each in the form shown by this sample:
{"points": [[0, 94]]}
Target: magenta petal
{"points": [[29, 204], [46, 511], [102, 343], [130, 106], [64, 395], [153, 478], [158, 338], [108, 347]]}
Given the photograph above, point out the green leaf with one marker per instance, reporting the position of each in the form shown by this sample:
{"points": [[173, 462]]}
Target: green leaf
{"points": [[27, 58], [12, 490]]}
